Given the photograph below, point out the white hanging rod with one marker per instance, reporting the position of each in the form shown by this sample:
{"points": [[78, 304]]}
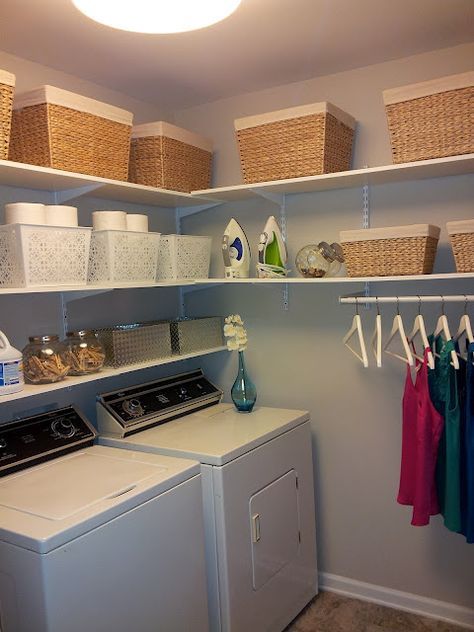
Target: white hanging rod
{"points": [[437, 298]]}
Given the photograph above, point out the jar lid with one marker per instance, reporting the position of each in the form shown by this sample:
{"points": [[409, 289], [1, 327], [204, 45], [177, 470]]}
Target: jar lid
{"points": [[326, 251], [44, 339], [82, 333], [338, 251]]}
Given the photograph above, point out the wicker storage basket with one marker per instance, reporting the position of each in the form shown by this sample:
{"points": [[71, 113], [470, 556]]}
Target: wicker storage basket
{"points": [[194, 334], [391, 251], [7, 87], [432, 119], [63, 130], [303, 141], [168, 157], [461, 234]]}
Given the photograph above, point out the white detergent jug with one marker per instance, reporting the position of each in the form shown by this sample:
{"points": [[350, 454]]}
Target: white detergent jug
{"points": [[11, 367]]}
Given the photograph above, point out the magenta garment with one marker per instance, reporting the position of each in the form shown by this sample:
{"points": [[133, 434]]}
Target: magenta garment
{"points": [[422, 427]]}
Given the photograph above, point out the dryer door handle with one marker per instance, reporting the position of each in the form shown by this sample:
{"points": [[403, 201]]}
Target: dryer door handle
{"points": [[256, 527]]}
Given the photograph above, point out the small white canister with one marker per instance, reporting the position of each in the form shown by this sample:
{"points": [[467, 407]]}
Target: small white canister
{"points": [[11, 367]]}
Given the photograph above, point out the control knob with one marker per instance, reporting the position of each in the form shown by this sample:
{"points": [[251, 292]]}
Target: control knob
{"points": [[133, 407], [63, 428], [183, 392]]}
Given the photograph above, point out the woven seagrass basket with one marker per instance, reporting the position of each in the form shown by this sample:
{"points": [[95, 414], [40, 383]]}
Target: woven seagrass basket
{"points": [[56, 128], [7, 87], [391, 251], [169, 157], [433, 119], [302, 141], [461, 234]]}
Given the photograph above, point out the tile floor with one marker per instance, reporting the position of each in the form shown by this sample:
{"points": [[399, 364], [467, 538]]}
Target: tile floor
{"points": [[329, 612]]}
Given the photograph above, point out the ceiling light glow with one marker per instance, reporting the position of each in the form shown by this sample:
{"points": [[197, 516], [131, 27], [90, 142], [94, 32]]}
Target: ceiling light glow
{"points": [[157, 16]]}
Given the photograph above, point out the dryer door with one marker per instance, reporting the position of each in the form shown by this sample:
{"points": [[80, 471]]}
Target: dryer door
{"points": [[274, 527]]}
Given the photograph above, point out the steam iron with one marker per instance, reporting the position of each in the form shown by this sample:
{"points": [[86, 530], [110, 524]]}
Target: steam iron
{"points": [[235, 251], [272, 253]]}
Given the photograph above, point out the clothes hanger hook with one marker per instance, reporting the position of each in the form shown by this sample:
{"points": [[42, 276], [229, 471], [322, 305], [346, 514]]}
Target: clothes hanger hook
{"points": [[442, 304], [465, 304], [357, 305], [419, 305], [377, 305], [398, 306]]}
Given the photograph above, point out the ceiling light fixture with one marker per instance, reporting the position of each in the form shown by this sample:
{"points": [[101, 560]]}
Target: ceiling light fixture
{"points": [[157, 16]]}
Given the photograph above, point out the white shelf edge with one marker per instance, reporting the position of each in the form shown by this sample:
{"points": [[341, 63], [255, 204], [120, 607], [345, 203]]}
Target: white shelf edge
{"points": [[18, 174], [446, 276], [196, 283], [31, 390], [419, 170]]}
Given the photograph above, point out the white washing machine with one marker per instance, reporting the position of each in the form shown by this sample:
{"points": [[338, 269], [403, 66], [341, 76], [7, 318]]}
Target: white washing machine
{"points": [[95, 539], [257, 476]]}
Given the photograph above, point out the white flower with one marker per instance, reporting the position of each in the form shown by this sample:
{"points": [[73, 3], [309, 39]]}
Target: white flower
{"points": [[235, 332]]}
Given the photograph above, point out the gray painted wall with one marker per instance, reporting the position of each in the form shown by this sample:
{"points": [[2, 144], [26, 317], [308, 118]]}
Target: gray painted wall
{"points": [[297, 359]]}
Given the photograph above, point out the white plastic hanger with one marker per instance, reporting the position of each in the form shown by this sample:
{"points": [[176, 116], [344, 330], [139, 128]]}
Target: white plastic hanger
{"points": [[419, 328], [356, 327], [376, 340], [398, 328], [442, 328], [464, 329]]}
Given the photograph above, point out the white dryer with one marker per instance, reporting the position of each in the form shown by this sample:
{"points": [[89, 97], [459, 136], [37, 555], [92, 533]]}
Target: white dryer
{"points": [[93, 538], [257, 476]]}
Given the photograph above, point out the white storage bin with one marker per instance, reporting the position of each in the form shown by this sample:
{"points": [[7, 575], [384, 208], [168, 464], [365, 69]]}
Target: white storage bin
{"points": [[184, 257], [32, 255], [120, 256]]}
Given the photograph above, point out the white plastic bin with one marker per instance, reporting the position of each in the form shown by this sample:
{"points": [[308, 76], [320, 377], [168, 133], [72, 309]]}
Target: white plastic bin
{"points": [[120, 256], [32, 255], [184, 257]]}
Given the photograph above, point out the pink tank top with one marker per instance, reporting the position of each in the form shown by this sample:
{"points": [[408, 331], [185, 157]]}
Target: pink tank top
{"points": [[421, 432]]}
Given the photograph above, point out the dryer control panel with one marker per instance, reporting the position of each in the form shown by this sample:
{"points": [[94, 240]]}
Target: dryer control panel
{"points": [[31, 440], [130, 410]]}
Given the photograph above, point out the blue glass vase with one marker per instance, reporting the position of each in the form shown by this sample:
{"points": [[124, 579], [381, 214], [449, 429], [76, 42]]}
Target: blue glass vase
{"points": [[243, 392]]}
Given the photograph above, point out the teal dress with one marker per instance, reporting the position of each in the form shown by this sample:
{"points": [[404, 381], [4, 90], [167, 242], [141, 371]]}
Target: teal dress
{"points": [[444, 395]]}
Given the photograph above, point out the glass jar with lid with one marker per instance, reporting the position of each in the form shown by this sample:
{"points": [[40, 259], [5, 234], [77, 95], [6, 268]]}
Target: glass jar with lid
{"points": [[84, 353], [319, 260], [44, 360]]}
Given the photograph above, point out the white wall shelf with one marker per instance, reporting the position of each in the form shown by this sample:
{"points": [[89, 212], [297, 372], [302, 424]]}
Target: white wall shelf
{"points": [[448, 276], [67, 185], [437, 168], [84, 291], [31, 390]]}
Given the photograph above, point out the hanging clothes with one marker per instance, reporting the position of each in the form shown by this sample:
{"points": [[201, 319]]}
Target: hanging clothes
{"points": [[467, 453], [421, 432], [444, 394]]}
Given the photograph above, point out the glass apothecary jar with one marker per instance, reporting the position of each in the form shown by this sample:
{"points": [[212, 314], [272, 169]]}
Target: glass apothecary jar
{"points": [[84, 353], [44, 360], [319, 260]]}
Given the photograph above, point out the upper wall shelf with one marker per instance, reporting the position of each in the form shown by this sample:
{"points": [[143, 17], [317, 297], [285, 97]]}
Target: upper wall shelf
{"points": [[67, 185], [440, 167]]}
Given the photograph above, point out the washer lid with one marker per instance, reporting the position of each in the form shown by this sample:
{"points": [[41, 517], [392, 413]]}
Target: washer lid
{"points": [[50, 504], [215, 435]]}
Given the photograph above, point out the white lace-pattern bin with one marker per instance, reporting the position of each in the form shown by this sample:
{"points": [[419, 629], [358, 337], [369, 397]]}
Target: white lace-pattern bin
{"points": [[120, 256], [32, 255], [184, 257]]}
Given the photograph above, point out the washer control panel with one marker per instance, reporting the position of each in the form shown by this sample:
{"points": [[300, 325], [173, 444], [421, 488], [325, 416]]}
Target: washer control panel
{"points": [[38, 438], [129, 410]]}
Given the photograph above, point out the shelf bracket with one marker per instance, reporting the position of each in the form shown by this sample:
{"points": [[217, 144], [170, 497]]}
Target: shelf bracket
{"points": [[185, 211], [275, 198], [60, 197], [366, 224]]}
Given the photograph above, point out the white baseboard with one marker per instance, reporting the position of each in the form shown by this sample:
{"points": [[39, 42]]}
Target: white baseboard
{"points": [[417, 604]]}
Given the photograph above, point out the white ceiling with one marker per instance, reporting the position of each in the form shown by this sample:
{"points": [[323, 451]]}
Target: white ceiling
{"points": [[264, 44]]}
